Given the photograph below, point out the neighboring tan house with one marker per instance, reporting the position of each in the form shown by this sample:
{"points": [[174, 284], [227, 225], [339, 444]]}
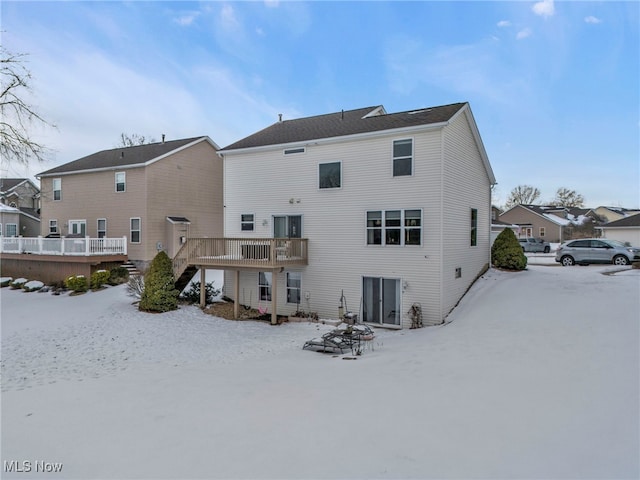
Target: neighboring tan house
{"points": [[155, 195], [552, 224], [23, 194], [373, 212], [626, 230], [610, 214]]}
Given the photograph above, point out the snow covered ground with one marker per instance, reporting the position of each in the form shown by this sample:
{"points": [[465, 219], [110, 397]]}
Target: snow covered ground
{"points": [[536, 375]]}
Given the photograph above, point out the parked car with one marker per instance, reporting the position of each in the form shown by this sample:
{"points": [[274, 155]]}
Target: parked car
{"points": [[596, 250], [534, 245]]}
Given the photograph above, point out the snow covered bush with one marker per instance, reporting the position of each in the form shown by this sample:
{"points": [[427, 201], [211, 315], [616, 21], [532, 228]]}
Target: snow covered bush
{"points": [[18, 283], [5, 281], [32, 286], [507, 253], [193, 294], [159, 294], [99, 278], [77, 283]]}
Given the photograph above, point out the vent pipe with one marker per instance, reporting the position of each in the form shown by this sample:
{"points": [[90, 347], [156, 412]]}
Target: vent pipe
{"points": [[279, 118], [163, 138]]}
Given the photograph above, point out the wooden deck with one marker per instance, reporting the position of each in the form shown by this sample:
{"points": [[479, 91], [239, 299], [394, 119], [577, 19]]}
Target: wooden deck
{"points": [[263, 254], [234, 253]]}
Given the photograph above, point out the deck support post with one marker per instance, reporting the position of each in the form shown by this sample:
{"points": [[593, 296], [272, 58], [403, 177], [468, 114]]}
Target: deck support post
{"points": [[203, 290], [274, 297], [236, 294]]}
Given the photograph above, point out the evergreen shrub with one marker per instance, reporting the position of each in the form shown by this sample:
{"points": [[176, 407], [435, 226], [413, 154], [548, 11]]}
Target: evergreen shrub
{"points": [[507, 253], [159, 294], [99, 278], [77, 283], [193, 294]]}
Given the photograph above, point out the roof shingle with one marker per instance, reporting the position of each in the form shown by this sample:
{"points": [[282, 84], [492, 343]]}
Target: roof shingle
{"points": [[338, 124], [121, 157]]}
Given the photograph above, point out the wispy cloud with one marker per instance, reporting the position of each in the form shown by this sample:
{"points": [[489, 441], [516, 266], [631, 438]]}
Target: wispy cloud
{"points": [[187, 18], [504, 23], [592, 19], [545, 8], [524, 33], [272, 3]]}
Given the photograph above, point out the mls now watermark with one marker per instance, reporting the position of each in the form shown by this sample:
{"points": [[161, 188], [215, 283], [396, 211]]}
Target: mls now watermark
{"points": [[27, 466]]}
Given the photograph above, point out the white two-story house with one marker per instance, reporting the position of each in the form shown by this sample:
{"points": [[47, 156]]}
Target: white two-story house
{"points": [[388, 211]]}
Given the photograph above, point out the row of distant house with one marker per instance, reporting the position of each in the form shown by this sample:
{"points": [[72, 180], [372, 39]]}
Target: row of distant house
{"points": [[558, 224], [378, 213]]}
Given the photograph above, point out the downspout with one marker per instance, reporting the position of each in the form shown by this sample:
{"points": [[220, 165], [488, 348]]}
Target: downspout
{"points": [[441, 225]]}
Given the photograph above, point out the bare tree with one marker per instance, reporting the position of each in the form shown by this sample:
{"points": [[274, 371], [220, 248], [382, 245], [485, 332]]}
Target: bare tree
{"points": [[568, 198], [134, 139], [16, 115], [522, 195]]}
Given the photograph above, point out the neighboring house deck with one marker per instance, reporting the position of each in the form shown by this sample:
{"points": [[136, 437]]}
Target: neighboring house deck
{"points": [[380, 212]]}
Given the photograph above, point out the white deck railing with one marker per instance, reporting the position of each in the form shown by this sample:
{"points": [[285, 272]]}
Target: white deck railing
{"points": [[83, 246]]}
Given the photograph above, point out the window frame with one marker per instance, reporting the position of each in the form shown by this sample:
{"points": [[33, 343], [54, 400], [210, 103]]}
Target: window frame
{"points": [[123, 182], [98, 227], [265, 287], [138, 230], [473, 240], [320, 165], [385, 229], [6, 229], [53, 226], [542, 231], [395, 158], [251, 223], [291, 289], [57, 181], [78, 222]]}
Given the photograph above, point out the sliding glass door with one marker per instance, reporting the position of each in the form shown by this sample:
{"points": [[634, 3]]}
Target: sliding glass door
{"points": [[381, 300]]}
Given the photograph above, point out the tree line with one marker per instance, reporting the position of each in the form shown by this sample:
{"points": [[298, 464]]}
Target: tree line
{"points": [[528, 195]]}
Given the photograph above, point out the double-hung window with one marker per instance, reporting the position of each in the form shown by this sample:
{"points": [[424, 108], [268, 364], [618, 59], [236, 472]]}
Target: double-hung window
{"points": [[53, 226], [57, 189], [121, 182], [102, 227], [135, 230], [247, 222], [264, 286], [474, 227], [293, 287], [330, 175], [402, 157], [394, 227]]}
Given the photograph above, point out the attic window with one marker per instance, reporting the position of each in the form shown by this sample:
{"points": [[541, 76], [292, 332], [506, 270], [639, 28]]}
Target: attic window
{"points": [[292, 151]]}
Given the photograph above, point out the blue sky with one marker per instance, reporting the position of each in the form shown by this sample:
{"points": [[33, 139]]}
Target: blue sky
{"points": [[554, 86]]}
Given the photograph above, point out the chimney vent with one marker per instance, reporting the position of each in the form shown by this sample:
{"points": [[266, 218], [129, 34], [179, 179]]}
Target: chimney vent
{"points": [[280, 117], [163, 138]]}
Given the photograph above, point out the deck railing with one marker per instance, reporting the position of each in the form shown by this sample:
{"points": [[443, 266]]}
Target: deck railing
{"points": [[78, 246], [241, 252]]}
